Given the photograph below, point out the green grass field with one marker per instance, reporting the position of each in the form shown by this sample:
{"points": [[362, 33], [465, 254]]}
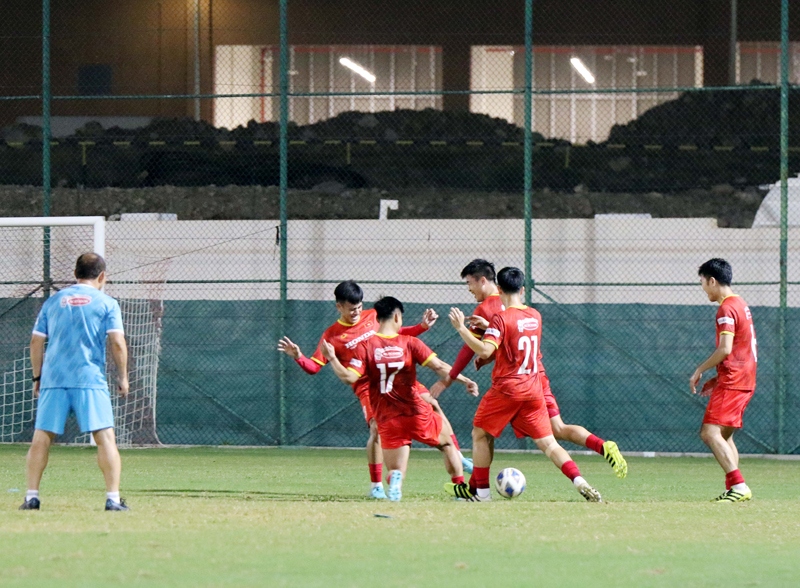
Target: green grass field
{"points": [[272, 517]]}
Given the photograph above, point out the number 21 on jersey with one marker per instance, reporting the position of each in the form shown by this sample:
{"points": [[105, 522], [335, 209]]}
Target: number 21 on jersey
{"points": [[530, 352], [388, 372]]}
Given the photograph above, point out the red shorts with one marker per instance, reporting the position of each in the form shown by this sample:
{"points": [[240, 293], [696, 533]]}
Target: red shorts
{"points": [[549, 399], [361, 390], [528, 418], [726, 407], [400, 431]]}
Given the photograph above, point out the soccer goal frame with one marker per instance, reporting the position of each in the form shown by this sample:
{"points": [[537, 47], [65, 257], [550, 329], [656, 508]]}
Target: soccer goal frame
{"points": [[134, 414]]}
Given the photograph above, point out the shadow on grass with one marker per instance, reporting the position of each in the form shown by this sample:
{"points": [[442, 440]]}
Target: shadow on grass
{"points": [[246, 495]]}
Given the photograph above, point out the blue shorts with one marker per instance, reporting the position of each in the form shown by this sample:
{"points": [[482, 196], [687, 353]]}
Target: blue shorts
{"points": [[92, 408]]}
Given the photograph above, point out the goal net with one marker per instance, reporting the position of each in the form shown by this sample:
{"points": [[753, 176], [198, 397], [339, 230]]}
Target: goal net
{"points": [[37, 258]]}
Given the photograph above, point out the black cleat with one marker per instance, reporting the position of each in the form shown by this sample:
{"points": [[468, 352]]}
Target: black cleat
{"points": [[111, 505], [32, 504]]}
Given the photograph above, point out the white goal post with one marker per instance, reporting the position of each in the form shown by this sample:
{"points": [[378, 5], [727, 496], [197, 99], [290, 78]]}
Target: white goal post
{"points": [[38, 254]]}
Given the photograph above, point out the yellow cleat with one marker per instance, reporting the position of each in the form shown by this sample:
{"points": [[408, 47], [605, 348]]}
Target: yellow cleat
{"points": [[614, 457], [733, 496]]}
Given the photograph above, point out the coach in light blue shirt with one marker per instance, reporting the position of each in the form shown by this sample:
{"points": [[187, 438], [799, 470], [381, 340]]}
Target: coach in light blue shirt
{"points": [[77, 322]]}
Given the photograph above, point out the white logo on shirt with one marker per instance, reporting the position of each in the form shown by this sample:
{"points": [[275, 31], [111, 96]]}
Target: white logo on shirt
{"points": [[528, 324], [352, 344], [492, 332], [75, 301], [725, 320], [356, 362], [388, 353]]}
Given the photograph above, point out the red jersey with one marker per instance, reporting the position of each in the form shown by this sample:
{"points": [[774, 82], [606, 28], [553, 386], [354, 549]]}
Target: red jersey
{"points": [[389, 364], [345, 337], [738, 370], [490, 306], [517, 334]]}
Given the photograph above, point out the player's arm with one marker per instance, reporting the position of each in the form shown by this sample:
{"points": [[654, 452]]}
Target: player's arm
{"points": [[428, 319], [293, 350], [482, 349], [722, 351], [37, 359], [119, 353], [443, 370], [347, 375]]}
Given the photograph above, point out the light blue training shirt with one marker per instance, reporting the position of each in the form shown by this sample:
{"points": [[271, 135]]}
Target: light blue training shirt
{"points": [[76, 321]]}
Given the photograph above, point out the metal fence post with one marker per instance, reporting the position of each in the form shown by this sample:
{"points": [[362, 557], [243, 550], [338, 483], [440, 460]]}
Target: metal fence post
{"points": [[46, 139], [781, 392], [528, 149], [284, 180]]}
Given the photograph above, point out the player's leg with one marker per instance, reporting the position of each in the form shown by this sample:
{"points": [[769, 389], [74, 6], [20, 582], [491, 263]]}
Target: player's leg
{"points": [[374, 458], [51, 415], [396, 460], [532, 420], [95, 414], [562, 460], [452, 457], [36, 462], [717, 437], [466, 463], [579, 435], [722, 418]]}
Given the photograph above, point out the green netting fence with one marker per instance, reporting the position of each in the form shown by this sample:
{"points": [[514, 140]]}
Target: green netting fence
{"points": [[250, 155]]}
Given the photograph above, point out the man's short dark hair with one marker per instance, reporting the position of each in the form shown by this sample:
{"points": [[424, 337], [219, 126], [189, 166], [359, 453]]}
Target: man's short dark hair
{"points": [[479, 268], [719, 269], [385, 307], [89, 266], [349, 291], [511, 280]]}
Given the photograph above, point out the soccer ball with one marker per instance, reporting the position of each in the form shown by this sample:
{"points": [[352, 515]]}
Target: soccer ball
{"points": [[510, 483]]}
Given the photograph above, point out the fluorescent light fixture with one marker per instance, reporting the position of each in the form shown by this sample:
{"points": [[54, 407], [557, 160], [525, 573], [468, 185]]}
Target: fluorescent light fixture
{"points": [[582, 69], [358, 69]]}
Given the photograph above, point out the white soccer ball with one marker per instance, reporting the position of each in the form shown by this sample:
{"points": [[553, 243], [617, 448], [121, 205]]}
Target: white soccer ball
{"points": [[510, 483]]}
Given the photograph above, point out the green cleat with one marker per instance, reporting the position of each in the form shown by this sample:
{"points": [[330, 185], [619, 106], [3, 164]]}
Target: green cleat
{"points": [[614, 457], [463, 492], [733, 496]]}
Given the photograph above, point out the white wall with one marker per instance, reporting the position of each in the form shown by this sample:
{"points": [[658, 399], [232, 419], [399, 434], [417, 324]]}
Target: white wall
{"points": [[492, 68], [566, 252], [237, 70]]}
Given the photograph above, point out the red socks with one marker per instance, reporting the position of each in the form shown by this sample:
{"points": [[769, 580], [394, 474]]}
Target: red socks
{"points": [[455, 442], [733, 478], [479, 479], [570, 470], [457, 479], [595, 443], [375, 472]]}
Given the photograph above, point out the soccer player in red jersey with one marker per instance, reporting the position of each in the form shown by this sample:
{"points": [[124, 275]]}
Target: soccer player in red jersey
{"points": [[403, 408], [480, 277], [516, 397], [735, 358], [356, 325]]}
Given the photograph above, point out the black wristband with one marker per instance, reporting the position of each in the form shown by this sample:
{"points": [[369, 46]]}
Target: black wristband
{"points": [[36, 379]]}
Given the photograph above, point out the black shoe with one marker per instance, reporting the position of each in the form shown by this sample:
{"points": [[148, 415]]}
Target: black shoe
{"points": [[32, 504], [111, 505]]}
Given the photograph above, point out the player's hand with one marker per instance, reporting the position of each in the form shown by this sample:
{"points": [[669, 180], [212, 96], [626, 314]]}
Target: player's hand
{"points": [[693, 381], [36, 389], [122, 386], [478, 322], [429, 318], [440, 386], [708, 387], [328, 352], [289, 348], [480, 362], [456, 318], [472, 388]]}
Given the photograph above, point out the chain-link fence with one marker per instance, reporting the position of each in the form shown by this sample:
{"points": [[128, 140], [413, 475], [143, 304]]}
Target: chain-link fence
{"points": [[606, 148]]}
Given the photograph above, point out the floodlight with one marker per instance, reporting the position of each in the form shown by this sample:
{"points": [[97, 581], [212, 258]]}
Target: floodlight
{"points": [[352, 65], [582, 69]]}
